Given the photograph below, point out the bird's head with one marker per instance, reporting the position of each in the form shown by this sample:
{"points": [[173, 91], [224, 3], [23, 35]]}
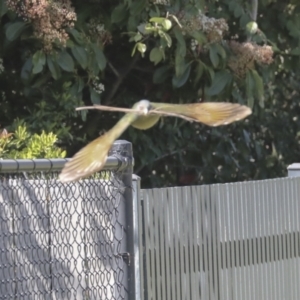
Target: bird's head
{"points": [[143, 106]]}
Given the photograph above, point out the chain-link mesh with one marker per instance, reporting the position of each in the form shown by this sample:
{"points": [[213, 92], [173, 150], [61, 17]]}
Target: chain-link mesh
{"points": [[62, 241]]}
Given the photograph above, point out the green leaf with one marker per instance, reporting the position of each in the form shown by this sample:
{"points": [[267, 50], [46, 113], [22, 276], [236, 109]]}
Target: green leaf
{"points": [[181, 41], [258, 88], [199, 71], [133, 50], [156, 55], [166, 24], [132, 23], [213, 55], [295, 51], [101, 60], [65, 61], [80, 85], [221, 79], [210, 72], [143, 29], [137, 7], [247, 137], [199, 37], [158, 20], [249, 89], [293, 27], [244, 20], [13, 30], [92, 65], [136, 38], [216, 51], [38, 60], [165, 37], [26, 69], [119, 13], [81, 56], [41, 80], [179, 62], [53, 67], [3, 8], [178, 81], [161, 74], [77, 36], [95, 97], [221, 51], [238, 11]]}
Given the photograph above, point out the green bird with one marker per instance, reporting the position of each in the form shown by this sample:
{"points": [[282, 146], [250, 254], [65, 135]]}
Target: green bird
{"points": [[143, 115]]}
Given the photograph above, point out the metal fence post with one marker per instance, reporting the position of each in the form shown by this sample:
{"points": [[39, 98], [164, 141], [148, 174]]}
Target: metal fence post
{"points": [[129, 201], [294, 170], [137, 275]]}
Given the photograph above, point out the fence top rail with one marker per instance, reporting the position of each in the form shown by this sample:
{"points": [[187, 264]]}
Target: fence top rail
{"points": [[54, 164]]}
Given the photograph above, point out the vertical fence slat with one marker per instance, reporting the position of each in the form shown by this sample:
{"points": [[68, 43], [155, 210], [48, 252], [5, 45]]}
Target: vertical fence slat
{"points": [[214, 245], [148, 242], [296, 195], [141, 227], [181, 240], [162, 212], [175, 244], [215, 193], [185, 221], [150, 247], [171, 280], [158, 257], [165, 239], [243, 212], [197, 244], [263, 233]]}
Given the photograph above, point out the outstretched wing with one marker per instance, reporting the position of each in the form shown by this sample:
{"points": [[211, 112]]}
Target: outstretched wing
{"points": [[92, 157], [109, 108], [209, 113]]}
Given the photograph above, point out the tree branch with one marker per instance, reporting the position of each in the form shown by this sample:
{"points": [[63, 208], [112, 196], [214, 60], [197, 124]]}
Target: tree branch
{"points": [[120, 78]]}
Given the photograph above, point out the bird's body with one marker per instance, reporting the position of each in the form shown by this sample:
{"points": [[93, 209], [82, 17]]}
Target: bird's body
{"points": [[144, 121], [143, 115]]}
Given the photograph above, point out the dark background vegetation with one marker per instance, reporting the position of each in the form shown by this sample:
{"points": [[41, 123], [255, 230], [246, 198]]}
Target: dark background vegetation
{"points": [[42, 81]]}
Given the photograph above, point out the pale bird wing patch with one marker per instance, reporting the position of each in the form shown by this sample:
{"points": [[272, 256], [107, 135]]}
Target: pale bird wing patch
{"points": [[209, 113], [92, 157], [88, 160]]}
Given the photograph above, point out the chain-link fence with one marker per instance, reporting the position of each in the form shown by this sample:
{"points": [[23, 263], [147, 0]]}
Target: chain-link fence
{"points": [[65, 241]]}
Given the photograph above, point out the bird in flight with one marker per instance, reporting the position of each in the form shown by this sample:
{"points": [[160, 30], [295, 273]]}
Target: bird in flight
{"points": [[143, 115]]}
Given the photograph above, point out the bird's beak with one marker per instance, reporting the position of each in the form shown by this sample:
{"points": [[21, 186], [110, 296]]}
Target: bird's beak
{"points": [[145, 111]]}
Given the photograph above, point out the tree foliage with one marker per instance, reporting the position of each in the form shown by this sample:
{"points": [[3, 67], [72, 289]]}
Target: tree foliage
{"points": [[56, 55]]}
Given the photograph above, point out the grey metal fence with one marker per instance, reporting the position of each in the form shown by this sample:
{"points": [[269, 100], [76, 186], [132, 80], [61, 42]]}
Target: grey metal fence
{"points": [[104, 238], [66, 241], [236, 241]]}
